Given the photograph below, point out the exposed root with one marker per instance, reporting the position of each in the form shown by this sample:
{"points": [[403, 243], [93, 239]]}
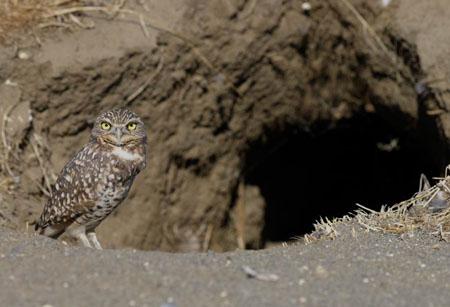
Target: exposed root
{"points": [[5, 157], [369, 29], [48, 178], [144, 86]]}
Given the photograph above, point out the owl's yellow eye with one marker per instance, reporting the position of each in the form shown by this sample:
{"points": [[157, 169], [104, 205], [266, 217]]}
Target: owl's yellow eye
{"points": [[131, 126], [105, 125]]}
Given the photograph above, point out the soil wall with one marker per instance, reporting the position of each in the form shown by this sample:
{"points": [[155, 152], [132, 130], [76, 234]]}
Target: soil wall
{"points": [[245, 75]]}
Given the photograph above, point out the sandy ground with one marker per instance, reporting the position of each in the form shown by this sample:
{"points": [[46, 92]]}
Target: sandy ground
{"points": [[356, 269]]}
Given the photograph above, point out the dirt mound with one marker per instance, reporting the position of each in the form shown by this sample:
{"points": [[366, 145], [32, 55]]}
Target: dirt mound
{"points": [[244, 81]]}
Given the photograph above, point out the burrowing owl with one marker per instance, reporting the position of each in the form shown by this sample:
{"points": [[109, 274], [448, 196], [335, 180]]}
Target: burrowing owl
{"points": [[97, 179]]}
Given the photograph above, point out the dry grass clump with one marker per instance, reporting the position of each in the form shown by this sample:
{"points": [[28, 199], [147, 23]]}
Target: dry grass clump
{"points": [[25, 14], [428, 210], [15, 14]]}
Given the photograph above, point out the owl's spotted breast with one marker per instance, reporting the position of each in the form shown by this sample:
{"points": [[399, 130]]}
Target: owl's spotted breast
{"points": [[117, 177]]}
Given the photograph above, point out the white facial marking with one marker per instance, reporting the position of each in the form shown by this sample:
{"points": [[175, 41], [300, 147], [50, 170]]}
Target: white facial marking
{"points": [[125, 155]]}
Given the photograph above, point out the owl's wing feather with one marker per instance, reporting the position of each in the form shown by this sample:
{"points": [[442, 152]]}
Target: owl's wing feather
{"points": [[73, 193]]}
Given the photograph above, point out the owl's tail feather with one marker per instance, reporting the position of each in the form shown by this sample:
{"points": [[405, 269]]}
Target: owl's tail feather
{"points": [[51, 231], [36, 224]]}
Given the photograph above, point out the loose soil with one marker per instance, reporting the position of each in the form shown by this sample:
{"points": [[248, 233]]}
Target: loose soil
{"points": [[370, 269]]}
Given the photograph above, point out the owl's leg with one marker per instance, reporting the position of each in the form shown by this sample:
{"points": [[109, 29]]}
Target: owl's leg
{"points": [[84, 240], [93, 238], [79, 232]]}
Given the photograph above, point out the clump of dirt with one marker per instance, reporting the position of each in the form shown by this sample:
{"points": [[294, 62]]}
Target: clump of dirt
{"points": [[216, 100]]}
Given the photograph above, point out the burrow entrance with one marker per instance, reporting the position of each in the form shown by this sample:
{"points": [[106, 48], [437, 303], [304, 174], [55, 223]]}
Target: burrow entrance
{"points": [[305, 175]]}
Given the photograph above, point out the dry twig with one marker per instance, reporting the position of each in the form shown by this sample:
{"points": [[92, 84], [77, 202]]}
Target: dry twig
{"points": [[367, 27], [6, 146], [47, 188]]}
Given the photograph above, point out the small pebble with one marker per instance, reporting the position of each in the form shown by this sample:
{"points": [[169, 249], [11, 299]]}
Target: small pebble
{"points": [[10, 83], [385, 2], [321, 272], [23, 55], [306, 6], [219, 78]]}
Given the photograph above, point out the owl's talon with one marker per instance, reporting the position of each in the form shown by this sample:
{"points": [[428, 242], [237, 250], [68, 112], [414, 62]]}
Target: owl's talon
{"points": [[84, 240], [93, 238]]}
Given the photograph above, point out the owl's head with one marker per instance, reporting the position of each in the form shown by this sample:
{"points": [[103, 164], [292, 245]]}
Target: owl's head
{"points": [[119, 127]]}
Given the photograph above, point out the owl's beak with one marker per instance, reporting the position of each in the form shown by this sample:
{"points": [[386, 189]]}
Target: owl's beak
{"points": [[119, 134]]}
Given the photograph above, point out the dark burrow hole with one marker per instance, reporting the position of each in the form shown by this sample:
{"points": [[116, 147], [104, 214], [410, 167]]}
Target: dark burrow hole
{"points": [[307, 175]]}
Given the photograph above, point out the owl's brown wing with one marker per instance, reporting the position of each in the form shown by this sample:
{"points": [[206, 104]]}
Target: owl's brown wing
{"points": [[52, 217], [55, 225], [74, 191]]}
